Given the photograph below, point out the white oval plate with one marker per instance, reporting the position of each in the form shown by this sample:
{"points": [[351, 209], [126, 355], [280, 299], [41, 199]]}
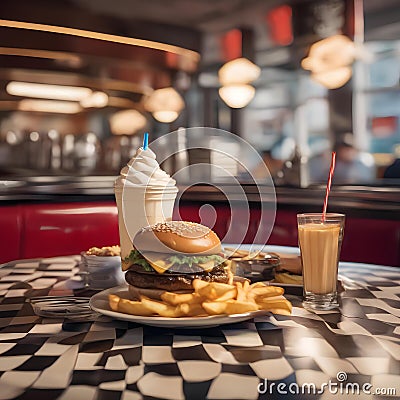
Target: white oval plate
{"points": [[99, 303]]}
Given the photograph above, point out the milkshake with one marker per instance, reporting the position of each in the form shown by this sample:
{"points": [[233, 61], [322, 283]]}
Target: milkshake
{"points": [[320, 242], [145, 195]]}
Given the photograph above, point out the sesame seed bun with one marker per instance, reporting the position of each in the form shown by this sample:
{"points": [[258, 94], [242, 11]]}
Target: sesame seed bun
{"points": [[177, 237]]}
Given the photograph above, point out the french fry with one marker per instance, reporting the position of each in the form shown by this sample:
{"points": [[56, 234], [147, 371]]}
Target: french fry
{"points": [[244, 254], [207, 292], [265, 291], [236, 252], [228, 295], [220, 289], [113, 300], [254, 256], [214, 290], [160, 308], [199, 284], [133, 307], [284, 277], [269, 299], [280, 311], [175, 298], [230, 275], [269, 305], [257, 285], [240, 307], [191, 310], [241, 294], [215, 307]]}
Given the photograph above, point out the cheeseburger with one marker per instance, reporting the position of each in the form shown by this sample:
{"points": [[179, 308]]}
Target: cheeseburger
{"points": [[168, 256]]}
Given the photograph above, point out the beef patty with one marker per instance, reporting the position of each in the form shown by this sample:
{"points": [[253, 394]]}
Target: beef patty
{"points": [[172, 282]]}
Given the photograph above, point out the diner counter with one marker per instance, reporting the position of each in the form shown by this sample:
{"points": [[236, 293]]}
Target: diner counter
{"points": [[356, 347], [358, 200]]}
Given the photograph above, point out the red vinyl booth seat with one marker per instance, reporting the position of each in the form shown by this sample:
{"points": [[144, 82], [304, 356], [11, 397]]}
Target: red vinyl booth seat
{"points": [[374, 241], [45, 230]]}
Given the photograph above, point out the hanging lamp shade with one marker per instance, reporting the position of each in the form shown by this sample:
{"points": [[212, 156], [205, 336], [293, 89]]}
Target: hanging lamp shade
{"points": [[329, 61], [127, 122], [240, 70], [165, 104], [237, 96], [334, 78]]}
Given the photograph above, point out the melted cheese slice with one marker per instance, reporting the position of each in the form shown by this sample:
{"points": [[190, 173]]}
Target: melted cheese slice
{"points": [[160, 265], [208, 266]]}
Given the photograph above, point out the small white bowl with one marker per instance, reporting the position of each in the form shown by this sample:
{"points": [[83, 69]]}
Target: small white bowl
{"points": [[102, 272], [100, 261]]}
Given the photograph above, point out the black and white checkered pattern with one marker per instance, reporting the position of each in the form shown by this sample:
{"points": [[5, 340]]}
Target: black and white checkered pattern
{"points": [[43, 358]]}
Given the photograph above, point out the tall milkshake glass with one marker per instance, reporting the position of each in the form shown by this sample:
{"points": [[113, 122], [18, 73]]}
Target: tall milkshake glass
{"points": [[320, 241], [145, 195]]}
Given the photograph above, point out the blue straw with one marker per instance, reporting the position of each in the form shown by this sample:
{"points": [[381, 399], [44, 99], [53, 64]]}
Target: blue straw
{"points": [[146, 141]]}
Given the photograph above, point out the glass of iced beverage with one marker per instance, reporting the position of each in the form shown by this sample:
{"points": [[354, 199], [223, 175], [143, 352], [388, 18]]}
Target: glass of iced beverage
{"points": [[320, 241]]}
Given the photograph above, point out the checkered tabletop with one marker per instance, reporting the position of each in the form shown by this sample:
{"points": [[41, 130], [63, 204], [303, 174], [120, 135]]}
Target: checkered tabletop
{"points": [[47, 358]]}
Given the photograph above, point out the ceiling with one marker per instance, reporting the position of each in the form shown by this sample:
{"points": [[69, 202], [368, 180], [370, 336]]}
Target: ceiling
{"points": [[204, 15], [185, 23], [209, 15], [70, 44], [382, 21]]}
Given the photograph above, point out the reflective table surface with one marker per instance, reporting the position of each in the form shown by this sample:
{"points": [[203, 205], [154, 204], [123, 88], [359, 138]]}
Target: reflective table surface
{"points": [[305, 355]]}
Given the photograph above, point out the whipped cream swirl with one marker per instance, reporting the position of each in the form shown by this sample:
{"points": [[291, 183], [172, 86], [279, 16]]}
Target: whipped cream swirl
{"points": [[144, 170]]}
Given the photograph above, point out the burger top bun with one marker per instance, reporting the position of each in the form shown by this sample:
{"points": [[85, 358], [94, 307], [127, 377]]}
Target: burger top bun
{"points": [[177, 237]]}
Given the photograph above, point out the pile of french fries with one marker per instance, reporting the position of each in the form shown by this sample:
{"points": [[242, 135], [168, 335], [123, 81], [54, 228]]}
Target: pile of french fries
{"points": [[208, 298]]}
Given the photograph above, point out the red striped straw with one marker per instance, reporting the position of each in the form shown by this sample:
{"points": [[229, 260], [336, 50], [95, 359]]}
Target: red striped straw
{"points": [[328, 186]]}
